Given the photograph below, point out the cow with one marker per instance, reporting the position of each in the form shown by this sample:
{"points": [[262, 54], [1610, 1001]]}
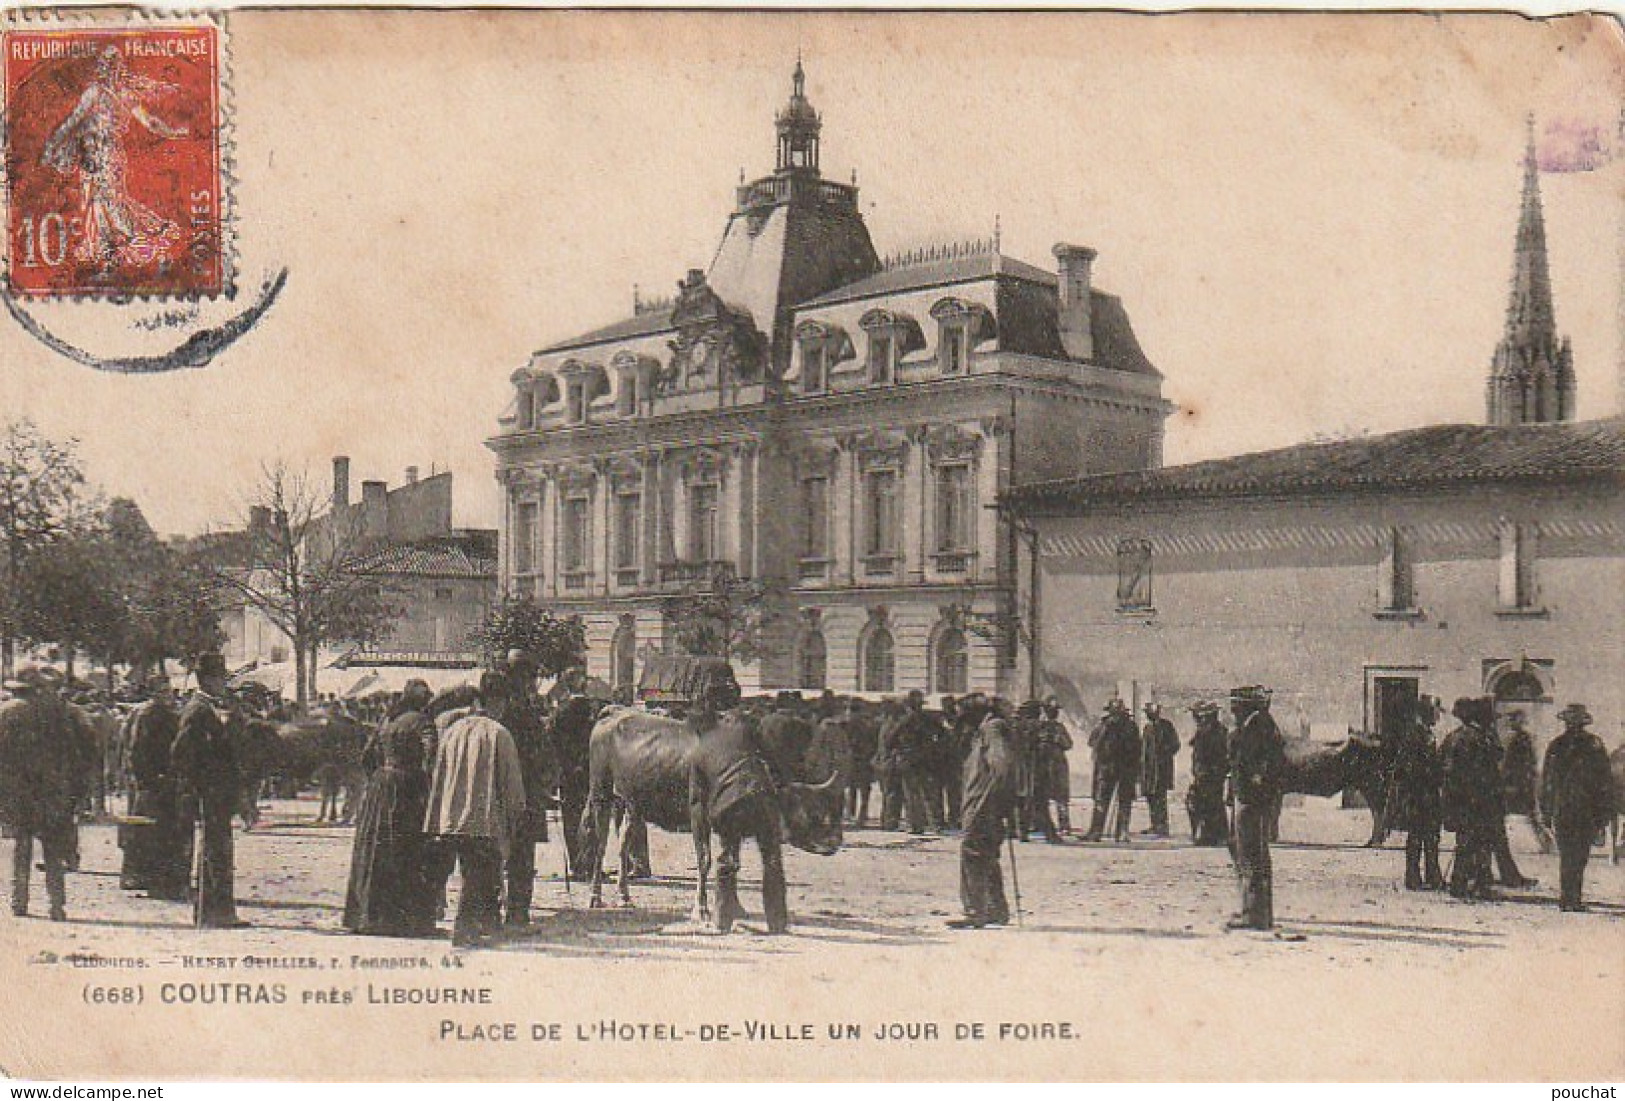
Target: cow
{"points": [[1356, 763], [327, 745], [663, 773]]}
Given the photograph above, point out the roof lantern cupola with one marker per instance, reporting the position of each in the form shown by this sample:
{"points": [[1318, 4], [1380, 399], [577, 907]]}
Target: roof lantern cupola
{"points": [[798, 125]]}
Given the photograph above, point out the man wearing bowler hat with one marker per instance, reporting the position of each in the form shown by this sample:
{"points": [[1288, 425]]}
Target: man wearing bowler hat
{"points": [[1257, 756], [1577, 799], [1471, 796]]}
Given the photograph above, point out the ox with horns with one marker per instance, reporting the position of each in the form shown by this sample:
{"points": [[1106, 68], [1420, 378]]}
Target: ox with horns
{"points": [[716, 771]]}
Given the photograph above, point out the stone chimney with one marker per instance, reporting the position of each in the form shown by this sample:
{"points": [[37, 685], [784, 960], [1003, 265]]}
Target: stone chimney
{"points": [[1076, 316], [341, 482], [411, 475], [375, 510]]}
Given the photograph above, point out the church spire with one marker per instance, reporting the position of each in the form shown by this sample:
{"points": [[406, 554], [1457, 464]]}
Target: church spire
{"points": [[1532, 374]]}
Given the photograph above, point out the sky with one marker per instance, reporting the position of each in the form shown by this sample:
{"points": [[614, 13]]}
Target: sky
{"points": [[1309, 218]]}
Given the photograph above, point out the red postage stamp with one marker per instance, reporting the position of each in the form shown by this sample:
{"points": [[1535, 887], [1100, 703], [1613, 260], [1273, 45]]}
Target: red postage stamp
{"points": [[113, 162]]}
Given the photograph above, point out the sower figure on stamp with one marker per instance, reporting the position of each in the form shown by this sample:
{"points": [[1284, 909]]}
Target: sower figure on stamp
{"points": [[209, 783], [1413, 797], [1577, 800], [1257, 757], [1210, 762], [1116, 744], [990, 796], [158, 860], [1471, 795], [1157, 767], [46, 760]]}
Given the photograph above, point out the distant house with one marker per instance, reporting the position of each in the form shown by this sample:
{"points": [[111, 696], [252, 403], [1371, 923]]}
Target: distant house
{"points": [[441, 580]]}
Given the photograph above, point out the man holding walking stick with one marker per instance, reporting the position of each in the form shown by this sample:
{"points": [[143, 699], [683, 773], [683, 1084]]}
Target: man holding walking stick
{"points": [[204, 761], [990, 795]]}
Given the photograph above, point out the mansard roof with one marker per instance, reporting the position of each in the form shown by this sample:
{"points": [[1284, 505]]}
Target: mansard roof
{"points": [[1440, 455], [645, 323], [935, 273]]}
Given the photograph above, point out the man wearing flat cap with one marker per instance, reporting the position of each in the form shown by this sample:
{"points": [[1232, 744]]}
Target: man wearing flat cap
{"points": [[46, 758], [1257, 757], [1471, 795], [1210, 762], [209, 781], [1577, 799]]}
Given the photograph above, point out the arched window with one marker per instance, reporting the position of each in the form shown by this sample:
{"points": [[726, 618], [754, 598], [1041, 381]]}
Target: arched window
{"points": [[878, 661], [623, 649], [811, 661], [950, 662]]}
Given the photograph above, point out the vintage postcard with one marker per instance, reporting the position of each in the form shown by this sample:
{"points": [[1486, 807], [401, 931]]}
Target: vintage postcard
{"points": [[543, 545]]}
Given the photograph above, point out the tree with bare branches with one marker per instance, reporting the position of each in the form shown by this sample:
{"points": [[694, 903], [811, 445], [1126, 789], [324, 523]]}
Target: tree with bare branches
{"points": [[307, 569]]}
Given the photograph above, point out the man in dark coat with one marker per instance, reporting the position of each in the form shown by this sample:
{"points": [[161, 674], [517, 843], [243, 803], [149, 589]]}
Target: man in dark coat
{"points": [[865, 741], [1054, 774], [1257, 758], [1519, 778], [1210, 763], [830, 751], [1413, 797], [888, 764], [209, 784], [950, 764], [915, 746], [1577, 800], [47, 760], [1161, 745], [1115, 741], [158, 858], [1471, 795], [523, 716], [990, 796]]}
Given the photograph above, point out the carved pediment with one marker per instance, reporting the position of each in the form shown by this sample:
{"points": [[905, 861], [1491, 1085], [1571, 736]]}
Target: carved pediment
{"points": [[815, 462], [880, 449], [576, 480], [903, 329], [716, 344], [702, 465], [977, 318]]}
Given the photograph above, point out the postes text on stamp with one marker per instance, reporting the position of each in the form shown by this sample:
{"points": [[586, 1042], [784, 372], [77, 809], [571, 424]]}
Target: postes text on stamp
{"points": [[113, 162]]}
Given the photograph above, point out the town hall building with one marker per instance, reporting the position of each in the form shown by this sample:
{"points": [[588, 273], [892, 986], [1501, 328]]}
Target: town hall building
{"points": [[826, 427]]}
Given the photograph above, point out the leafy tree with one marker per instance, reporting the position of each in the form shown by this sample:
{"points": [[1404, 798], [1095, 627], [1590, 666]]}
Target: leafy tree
{"points": [[557, 642], [728, 617], [70, 598], [41, 501]]}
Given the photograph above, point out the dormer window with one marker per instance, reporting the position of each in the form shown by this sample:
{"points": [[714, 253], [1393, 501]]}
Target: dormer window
{"points": [[882, 349], [822, 347], [527, 408], [576, 403], [891, 337], [953, 349], [961, 326]]}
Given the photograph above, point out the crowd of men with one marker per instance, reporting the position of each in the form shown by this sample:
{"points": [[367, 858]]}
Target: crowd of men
{"points": [[465, 782]]}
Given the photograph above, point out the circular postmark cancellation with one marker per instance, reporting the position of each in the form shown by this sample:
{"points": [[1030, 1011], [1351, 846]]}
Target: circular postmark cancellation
{"points": [[113, 154]]}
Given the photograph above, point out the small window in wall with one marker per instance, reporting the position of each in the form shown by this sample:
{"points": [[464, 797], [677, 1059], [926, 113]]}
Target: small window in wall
{"points": [[813, 663], [527, 525], [1517, 577], [880, 536], [882, 355], [444, 594], [955, 507], [628, 510], [1396, 587], [577, 534], [953, 348], [815, 518], [813, 366], [1134, 575], [702, 523], [878, 662], [951, 664]]}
